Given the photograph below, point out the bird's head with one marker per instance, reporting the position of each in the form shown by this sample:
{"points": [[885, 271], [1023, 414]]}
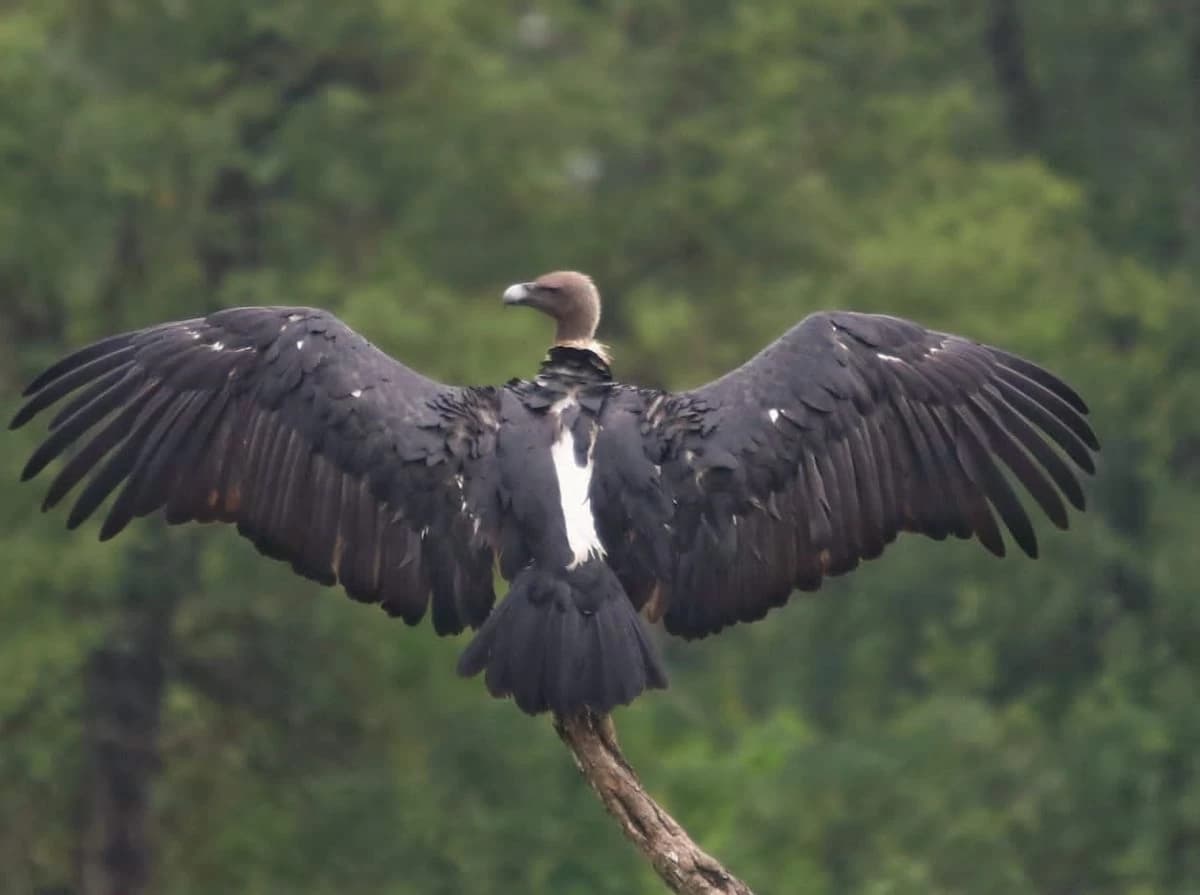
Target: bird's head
{"points": [[570, 298]]}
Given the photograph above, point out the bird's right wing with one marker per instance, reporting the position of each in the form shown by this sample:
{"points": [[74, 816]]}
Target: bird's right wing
{"points": [[847, 430], [323, 450]]}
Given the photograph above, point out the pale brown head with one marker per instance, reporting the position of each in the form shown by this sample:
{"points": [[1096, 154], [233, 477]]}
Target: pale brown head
{"points": [[570, 298]]}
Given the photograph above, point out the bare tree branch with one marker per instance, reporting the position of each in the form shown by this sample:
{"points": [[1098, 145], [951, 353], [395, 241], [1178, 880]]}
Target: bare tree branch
{"points": [[685, 869]]}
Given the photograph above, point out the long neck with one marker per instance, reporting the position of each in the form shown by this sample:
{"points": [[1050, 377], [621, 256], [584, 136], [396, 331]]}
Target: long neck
{"points": [[578, 318], [577, 328]]}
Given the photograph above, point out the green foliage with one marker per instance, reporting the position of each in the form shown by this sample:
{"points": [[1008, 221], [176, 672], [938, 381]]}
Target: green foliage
{"points": [[935, 723]]}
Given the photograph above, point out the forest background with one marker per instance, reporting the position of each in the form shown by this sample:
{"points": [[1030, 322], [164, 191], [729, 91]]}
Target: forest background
{"points": [[1024, 173]]}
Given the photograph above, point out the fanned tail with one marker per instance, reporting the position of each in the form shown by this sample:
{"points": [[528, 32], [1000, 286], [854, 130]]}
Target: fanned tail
{"points": [[564, 639]]}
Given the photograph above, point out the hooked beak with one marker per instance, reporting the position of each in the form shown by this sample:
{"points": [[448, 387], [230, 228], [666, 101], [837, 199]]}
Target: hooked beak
{"points": [[517, 294]]}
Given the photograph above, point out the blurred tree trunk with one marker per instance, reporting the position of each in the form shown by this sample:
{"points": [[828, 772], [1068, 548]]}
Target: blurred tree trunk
{"points": [[124, 681], [125, 678], [1005, 40]]}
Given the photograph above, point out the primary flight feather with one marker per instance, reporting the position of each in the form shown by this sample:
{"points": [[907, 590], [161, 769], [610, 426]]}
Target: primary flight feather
{"points": [[604, 504]]}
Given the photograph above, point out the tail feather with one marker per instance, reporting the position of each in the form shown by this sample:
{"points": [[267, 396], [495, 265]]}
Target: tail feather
{"points": [[565, 639], [528, 651]]}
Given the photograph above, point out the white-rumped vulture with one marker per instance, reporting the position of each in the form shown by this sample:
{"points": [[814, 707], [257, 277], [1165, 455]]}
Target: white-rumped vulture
{"points": [[603, 504]]}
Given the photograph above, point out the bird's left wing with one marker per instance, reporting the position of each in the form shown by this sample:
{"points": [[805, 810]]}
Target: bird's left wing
{"points": [[847, 430], [323, 450]]}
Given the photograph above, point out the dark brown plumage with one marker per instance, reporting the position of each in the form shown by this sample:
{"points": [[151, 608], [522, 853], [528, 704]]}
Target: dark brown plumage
{"points": [[598, 500]]}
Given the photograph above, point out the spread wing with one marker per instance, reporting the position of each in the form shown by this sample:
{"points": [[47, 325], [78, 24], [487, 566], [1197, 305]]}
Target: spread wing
{"points": [[323, 450], [851, 428]]}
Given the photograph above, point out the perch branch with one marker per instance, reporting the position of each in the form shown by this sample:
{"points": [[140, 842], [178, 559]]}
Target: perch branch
{"points": [[685, 869]]}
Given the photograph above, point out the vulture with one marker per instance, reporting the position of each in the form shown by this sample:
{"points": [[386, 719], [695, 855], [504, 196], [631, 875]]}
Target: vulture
{"points": [[605, 506]]}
